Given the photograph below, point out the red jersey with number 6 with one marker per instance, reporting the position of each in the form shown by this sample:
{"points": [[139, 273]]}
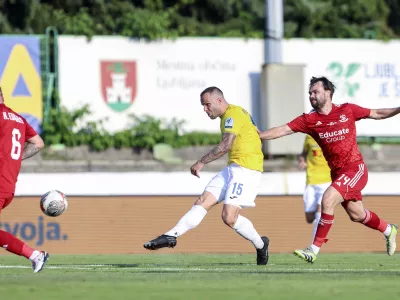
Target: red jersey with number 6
{"points": [[14, 132], [335, 133]]}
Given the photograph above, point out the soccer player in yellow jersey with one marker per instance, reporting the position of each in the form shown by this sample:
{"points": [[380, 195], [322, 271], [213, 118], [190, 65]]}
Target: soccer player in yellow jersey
{"points": [[318, 179], [236, 185]]}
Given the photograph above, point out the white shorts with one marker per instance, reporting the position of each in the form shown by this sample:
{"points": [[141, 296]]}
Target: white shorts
{"points": [[235, 185], [313, 196]]}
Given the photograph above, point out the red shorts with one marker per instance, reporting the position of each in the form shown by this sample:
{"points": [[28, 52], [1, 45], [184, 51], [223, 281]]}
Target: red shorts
{"points": [[351, 180], [5, 199]]}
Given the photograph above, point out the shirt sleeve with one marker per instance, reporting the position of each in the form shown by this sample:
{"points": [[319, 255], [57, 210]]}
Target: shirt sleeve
{"points": [[359, 112], [232, 122], [30, 132], [299, 124]]}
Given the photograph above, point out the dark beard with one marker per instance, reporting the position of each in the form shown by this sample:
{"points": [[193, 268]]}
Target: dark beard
{"points": [[317, 104]]}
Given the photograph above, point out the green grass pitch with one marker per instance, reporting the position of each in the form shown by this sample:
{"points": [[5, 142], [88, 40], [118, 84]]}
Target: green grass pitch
{"points": [[188, 276]]}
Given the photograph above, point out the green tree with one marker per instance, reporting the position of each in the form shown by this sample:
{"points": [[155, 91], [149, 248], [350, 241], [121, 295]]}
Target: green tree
{"points": [[155, 19], [336, 18], [393, 19]]}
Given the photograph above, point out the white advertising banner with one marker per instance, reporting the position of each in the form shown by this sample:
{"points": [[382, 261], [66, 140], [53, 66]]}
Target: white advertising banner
{"points": [[365, 72], [118, 76]]}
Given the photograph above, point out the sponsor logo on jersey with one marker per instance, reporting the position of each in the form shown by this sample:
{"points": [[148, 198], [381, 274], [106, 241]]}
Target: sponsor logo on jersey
{"points": [[229, 123], [334, 136], [318, 123], [343, 118]]}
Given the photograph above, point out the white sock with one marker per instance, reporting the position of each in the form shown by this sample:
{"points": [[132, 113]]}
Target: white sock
{"points": [[34, 255], [189, 221], [316, 221], [315, 249], [388, 230], [245, 228]]}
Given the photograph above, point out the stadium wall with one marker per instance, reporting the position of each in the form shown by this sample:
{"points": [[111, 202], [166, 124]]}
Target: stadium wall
{"points": [[101, 225], [175, 183]]}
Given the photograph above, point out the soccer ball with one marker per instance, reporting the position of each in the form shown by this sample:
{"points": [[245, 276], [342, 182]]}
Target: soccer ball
{"points": [[53, 203]]}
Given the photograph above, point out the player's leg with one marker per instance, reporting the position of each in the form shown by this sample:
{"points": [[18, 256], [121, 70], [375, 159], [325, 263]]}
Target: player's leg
{"points": [[241, 192], [330, 200], [14, 245], [319, 193], [312, 206], [317, 217], [309, 200], [195, 215], [189, 221], [310, 216], [18, 247], [357, 213], [212, 194], [245, 228]]}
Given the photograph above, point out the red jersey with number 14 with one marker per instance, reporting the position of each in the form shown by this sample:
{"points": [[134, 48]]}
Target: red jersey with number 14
{"points": [[14, 131], [335, 133]]}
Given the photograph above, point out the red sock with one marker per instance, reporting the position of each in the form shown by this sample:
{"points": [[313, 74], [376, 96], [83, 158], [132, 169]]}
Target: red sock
{"points": [[325, 223], [371, 220], [14, 245], [27, 251]]}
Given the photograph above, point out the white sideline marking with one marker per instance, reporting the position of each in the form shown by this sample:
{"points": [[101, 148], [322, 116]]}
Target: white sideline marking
{"points": [[189, 269], [48, 267]]}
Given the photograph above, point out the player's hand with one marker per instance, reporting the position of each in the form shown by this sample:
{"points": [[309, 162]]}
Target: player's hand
{"points": [[195, 169], [302, 165]]}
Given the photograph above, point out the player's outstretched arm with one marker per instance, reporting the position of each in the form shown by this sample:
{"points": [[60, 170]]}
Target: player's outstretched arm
{"points": [[276, 132], [222, 148], [32, 146], [383, 113]]}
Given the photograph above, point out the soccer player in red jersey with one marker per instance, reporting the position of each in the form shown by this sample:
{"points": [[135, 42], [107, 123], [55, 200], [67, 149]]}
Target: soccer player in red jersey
{"points": [[333, 127], [18, 141]]}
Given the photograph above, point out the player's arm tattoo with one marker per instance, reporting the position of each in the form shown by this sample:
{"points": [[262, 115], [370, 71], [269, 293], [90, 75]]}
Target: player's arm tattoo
{"points": [[30, 150], [223, 147]]}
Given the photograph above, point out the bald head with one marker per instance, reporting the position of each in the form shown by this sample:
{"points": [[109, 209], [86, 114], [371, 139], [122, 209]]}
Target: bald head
{"points": [[213, 102], [213, 90]]}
